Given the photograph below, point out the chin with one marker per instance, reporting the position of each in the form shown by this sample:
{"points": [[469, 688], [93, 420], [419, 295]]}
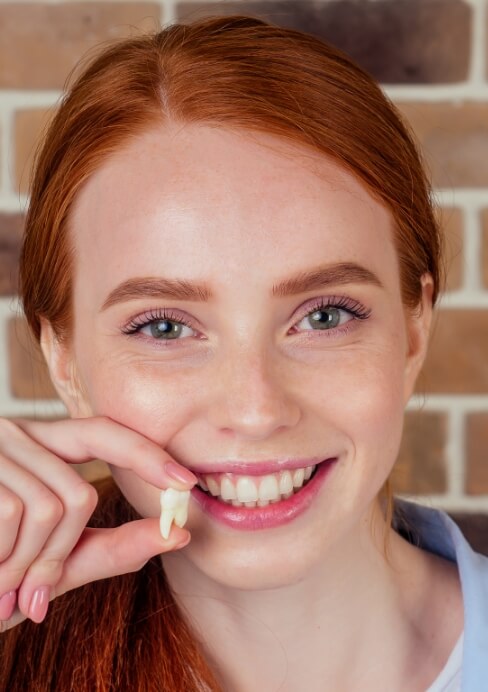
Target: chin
{"points": [[248, 564]]}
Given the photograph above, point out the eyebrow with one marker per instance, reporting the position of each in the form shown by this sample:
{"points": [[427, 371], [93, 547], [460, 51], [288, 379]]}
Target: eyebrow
{"points": [[179, 289]]}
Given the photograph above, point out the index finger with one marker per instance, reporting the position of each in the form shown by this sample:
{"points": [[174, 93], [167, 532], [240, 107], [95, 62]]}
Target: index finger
{"points": [[77, 440]]}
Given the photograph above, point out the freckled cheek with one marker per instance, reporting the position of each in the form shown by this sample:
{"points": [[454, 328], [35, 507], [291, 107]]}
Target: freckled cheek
{"points": [[363, 399], [156, 404], [148, 399]]}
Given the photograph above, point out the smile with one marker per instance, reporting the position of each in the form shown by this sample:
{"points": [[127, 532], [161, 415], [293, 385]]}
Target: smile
{"points": [[255, 491], [260, 502]]}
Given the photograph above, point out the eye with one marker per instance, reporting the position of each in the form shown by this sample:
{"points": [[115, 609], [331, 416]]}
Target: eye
{"points": [[327, 317], [160, 325], [166, 329], [326, 314]]}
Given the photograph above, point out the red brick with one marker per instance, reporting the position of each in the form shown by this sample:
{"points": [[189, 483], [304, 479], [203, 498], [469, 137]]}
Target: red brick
{"points": [[11, 226], [29, 377], [457, 361], [451, 220], [484, 247], [405, 41], [41, 42], [454, 140], [421, 467], [476, 453], [29, 126]]}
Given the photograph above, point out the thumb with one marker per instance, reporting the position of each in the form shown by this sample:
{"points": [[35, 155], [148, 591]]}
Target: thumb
{"points": [[102, 553]]}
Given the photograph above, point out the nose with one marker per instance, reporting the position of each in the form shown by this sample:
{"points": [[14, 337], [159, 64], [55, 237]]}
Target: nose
{"points": [[252, 400]]}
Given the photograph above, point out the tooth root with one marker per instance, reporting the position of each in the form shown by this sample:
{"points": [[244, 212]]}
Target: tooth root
{"points": [[174, 505], [165, 522], [181, 514]]}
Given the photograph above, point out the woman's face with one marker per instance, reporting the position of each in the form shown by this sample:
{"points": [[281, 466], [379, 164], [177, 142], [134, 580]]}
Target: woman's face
{"points": [[253, 373]]}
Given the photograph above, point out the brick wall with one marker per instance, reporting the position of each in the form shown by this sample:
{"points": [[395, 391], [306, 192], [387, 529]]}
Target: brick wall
{"points": [[432, 58]]}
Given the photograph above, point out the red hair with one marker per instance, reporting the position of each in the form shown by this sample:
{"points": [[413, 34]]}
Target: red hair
{"points": [[237, 72]]}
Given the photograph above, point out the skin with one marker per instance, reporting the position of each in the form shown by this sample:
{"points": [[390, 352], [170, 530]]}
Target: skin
{"points": [[250, 380]]}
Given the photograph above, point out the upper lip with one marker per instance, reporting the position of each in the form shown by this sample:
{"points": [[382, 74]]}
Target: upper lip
{"points": [[255, 468]]}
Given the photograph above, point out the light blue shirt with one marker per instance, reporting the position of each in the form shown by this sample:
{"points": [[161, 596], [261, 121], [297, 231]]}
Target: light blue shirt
{"points": [[436, 532]]}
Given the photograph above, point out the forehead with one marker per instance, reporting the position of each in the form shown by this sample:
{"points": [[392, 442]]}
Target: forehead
{"points": [[190, 201]]}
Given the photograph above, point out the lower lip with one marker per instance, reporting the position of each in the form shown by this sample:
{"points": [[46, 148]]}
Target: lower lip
{"points": [[274, 514]]}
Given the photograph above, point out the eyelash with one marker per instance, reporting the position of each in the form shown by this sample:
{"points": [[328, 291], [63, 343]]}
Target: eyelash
{"points": [[353, 307]]}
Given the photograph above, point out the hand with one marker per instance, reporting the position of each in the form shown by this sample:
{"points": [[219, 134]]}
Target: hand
{"points": [[45, 547]]}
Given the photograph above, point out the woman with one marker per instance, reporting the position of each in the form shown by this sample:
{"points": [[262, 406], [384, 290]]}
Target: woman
{"points": [[230, 261]]}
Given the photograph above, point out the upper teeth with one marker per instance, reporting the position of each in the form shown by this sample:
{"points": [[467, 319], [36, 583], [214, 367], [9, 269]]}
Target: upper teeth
{"points": [[174, 505], [252, 489]]}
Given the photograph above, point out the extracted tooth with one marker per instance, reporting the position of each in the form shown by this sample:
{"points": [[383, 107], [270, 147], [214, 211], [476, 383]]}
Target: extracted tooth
{"points": [[181, 511], [298, 476], [174, 506], [268, 488]]}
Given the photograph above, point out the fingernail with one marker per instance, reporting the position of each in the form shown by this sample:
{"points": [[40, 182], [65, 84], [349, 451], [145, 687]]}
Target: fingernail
{"points": [[7, 605], [39, 604], [179, 473]]}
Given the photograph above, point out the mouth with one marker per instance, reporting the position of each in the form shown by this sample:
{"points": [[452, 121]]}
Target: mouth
{"points": [[256, 491], [260, 502]]}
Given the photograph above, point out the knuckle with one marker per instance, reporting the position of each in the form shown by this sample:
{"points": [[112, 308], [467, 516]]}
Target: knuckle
{"points": [[47, 510], [83, 498], [47, 568], [11, 508], [143, 448]]}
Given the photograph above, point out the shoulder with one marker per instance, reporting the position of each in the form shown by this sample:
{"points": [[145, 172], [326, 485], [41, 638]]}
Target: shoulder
{"points": [[435, 531]]}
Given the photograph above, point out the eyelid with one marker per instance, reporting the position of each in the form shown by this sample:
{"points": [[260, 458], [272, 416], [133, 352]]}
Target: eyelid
{"points": [[355, 307], [136, 323], [142, 319]]}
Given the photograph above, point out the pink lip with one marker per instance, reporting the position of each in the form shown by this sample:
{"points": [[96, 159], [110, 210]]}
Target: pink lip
{"points": [[275, 514], [254, 468]]}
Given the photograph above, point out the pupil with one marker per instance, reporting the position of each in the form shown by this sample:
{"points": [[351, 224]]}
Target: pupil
{"points": [[165, 328], [325, 319]]}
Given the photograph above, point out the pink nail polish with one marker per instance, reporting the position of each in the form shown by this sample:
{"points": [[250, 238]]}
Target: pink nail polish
{"points": [[7, 604], [179, 473], [39, 604]]}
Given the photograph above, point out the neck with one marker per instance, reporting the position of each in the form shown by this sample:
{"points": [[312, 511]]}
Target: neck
{"points": [[356, 617]]}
